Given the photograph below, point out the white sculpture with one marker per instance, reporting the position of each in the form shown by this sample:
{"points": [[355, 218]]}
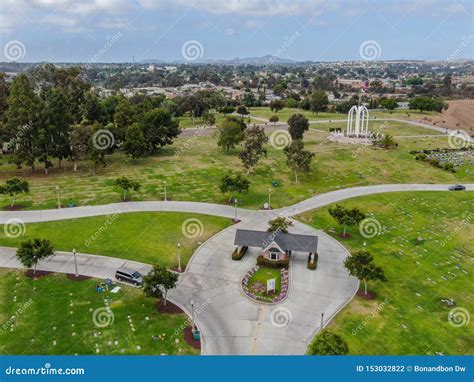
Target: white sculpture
{"points": [[358, 126]]}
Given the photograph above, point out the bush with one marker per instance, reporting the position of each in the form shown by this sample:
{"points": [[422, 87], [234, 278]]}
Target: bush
{"points": [[262, 261], [236, 255], [328, 343], [314, 265]]}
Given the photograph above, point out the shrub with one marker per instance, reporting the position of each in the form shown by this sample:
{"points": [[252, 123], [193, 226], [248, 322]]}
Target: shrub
{"points": [[328, 343], [237, 255], [314, 265], [262, 261]]}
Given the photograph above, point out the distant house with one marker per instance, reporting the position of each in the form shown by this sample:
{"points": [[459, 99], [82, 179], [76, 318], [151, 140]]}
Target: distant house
{"points": [[276, 246]]}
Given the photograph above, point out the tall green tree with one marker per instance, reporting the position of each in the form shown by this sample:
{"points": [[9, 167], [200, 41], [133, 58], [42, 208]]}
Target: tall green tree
{"points": [[230, 134], [297, 125], [158, 282], [135, 145], [159, 128], [92, 108], [361, 265], [319, 101], [80, 139], [54, 132], [24, 119], [254, 147], [31, 252], [297, 158], [125, 115]]}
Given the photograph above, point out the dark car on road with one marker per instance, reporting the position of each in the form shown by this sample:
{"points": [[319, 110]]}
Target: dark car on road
{"points": [[457, 187], [129, 275]]}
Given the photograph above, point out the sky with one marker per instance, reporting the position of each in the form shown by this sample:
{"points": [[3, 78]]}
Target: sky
{"points": [[198, 30]]}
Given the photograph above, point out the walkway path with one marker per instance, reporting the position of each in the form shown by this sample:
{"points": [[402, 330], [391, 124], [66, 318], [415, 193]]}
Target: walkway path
{"points": [[229, 322]]}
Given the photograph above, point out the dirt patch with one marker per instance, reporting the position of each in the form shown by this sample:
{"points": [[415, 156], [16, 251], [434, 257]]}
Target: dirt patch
{"points": [[363, 307], [29, 273], [72, 276], [16, 207], [346, 236], [188, 337], [369, 296], [169, 308], [457, 117]]}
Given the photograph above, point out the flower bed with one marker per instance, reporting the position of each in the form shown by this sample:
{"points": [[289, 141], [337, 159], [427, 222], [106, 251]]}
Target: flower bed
{"points": [[256, 290]]}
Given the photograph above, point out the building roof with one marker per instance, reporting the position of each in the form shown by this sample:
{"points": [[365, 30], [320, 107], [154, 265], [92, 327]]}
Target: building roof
{"points": [[286, 241]]}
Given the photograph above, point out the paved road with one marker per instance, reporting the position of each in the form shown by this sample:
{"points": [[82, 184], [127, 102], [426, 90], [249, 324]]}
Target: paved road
{"points": [[213, 209], [231, 323]]}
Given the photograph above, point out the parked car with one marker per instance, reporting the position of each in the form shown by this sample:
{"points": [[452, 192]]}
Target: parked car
{"points": [[457, 187], [130, 276]]}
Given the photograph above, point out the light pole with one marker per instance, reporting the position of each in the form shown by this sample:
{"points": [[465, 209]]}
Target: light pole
{"points": [[165, 191], [75, 261], [179, 257], [192, 317], [322, 319], [269, 198], [57, 194], [235, 214]]}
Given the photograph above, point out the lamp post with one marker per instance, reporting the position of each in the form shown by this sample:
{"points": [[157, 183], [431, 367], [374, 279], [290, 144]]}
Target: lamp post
{"points": [[165, 191], [192, 317], [322, 319], [75, 261], [269, 198], [57, 195], [235, 212], [179, 257]]}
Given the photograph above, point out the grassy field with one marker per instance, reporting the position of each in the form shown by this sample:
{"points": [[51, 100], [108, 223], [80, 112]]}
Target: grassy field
{"points": [[186, 122], [425, 247], [149, 237], [56, 316], [286, 113], [193, 167]]}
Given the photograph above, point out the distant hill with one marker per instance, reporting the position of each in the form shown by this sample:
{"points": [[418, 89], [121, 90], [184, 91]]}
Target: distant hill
{"points": [[264, 60]]}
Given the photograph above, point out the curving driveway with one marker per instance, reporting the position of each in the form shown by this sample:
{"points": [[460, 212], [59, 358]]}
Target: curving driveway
{"points": [[230, 323]]}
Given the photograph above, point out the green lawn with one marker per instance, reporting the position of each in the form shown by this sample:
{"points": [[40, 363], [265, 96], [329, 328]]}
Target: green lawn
{"points": [[149, 237], [408, 316], [286, 113], [186, 122], [55, 316], [264, 274], [194, 173]]}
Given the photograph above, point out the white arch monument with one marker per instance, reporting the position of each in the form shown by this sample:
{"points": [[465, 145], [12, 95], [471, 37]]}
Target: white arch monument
{"points": [[358, 122]]}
